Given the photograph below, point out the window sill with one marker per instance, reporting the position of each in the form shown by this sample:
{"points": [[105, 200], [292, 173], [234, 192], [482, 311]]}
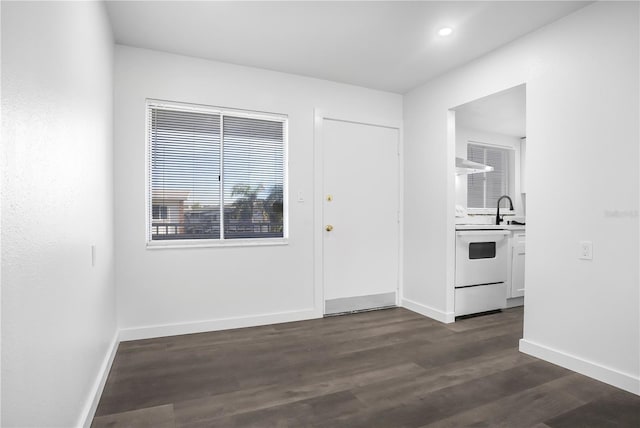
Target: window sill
{"points": [[201, 243]]}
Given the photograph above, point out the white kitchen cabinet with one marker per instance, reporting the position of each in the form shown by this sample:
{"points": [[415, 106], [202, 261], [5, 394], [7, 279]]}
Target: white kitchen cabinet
{"points": [[518, 252], [523, 165]]}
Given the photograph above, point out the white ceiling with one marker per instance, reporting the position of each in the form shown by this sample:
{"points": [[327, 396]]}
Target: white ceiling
{"points": [[386, 45], [500, 113]]}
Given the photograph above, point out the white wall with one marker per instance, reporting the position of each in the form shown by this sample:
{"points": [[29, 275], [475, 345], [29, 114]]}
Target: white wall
{"points": [[582, 164], [465, 135], [165, 291], [58, 312]]}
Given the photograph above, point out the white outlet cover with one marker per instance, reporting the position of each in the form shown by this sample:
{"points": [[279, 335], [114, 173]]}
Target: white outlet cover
{"points": [[586, 250]]}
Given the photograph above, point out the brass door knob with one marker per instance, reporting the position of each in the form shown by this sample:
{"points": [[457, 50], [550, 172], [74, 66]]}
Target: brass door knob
{"points": [[329, 228]]}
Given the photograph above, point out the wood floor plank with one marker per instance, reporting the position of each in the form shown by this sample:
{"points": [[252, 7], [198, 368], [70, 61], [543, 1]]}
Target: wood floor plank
{"points": [[139, 386], [444, 353], [423, 407], [405, 388], [209, 409], [619, 409], [151, 417], [302, 413], [390, 368], [525, 409]]}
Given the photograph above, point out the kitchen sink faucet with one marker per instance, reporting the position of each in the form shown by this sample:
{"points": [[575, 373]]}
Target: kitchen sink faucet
{"points": [[498, 220]]}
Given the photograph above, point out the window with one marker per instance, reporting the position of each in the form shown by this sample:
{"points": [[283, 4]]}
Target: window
{"points": [[215, 174], [484, 189], [159, 212]]}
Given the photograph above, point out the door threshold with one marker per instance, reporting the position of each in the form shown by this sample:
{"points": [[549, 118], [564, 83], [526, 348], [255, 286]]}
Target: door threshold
{"points": [[357, 311]]}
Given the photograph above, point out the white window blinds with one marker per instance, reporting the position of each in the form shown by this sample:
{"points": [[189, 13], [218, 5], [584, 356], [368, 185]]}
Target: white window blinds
{"points": [[215, 175], [253, 177], [484, 189]]}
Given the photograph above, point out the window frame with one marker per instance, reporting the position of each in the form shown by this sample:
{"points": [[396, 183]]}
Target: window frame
{"points": [[221, 242], [510, 179]]}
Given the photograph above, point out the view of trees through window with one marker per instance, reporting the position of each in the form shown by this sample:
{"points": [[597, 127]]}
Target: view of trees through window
{"points": [[215, 175]]}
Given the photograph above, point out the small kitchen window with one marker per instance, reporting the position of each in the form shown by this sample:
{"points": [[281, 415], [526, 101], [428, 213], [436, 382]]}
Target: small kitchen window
{"points": [[484, 189], [215, 176]]}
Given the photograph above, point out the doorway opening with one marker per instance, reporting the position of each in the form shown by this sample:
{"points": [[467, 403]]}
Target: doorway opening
{"points": [[490, 143]]}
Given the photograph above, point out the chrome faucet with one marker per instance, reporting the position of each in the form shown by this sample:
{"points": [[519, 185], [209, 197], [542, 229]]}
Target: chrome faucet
{"points": [[498, 207]]}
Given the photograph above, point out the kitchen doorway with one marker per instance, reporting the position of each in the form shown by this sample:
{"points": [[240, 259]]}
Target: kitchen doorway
{"points": [[490, 145]]}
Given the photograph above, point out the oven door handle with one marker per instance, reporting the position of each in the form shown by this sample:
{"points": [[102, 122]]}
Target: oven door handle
{"points": [[483, 235], [482, 232]]}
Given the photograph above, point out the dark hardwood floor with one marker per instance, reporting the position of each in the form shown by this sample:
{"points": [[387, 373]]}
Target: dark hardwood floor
{"points": [[390, 368]]}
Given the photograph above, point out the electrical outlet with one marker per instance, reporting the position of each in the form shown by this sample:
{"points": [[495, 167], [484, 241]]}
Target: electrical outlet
{"points": [[586, 250]]}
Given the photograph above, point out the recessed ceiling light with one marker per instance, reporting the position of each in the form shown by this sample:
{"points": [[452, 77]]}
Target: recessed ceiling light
{"points": [[445, 31]]}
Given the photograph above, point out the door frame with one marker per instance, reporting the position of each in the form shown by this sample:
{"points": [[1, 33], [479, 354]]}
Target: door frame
{"points": [[318, 198]]}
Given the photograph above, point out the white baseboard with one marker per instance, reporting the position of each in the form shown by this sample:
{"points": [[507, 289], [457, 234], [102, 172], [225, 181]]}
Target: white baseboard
{"points": [[91, 405], [515, 301], [427, 311], [149, 332], [588, 368]]}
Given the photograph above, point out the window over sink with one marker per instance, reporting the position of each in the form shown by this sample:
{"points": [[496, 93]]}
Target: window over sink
{"points": [[484, 189]]}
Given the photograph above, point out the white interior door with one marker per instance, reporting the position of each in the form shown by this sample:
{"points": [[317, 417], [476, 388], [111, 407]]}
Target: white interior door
{"points": [[361, 209]]}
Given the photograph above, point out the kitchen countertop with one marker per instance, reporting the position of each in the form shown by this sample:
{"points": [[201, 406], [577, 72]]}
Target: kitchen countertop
{"points": [[490, 227]]}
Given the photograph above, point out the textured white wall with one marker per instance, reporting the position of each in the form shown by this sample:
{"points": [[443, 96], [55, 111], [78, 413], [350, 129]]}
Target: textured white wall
{"points": [[163, 291], [582, 184], [58, 312]]}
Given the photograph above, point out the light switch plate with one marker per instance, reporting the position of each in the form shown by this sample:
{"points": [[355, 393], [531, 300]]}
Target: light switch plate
{"points": [[586, 250]]}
